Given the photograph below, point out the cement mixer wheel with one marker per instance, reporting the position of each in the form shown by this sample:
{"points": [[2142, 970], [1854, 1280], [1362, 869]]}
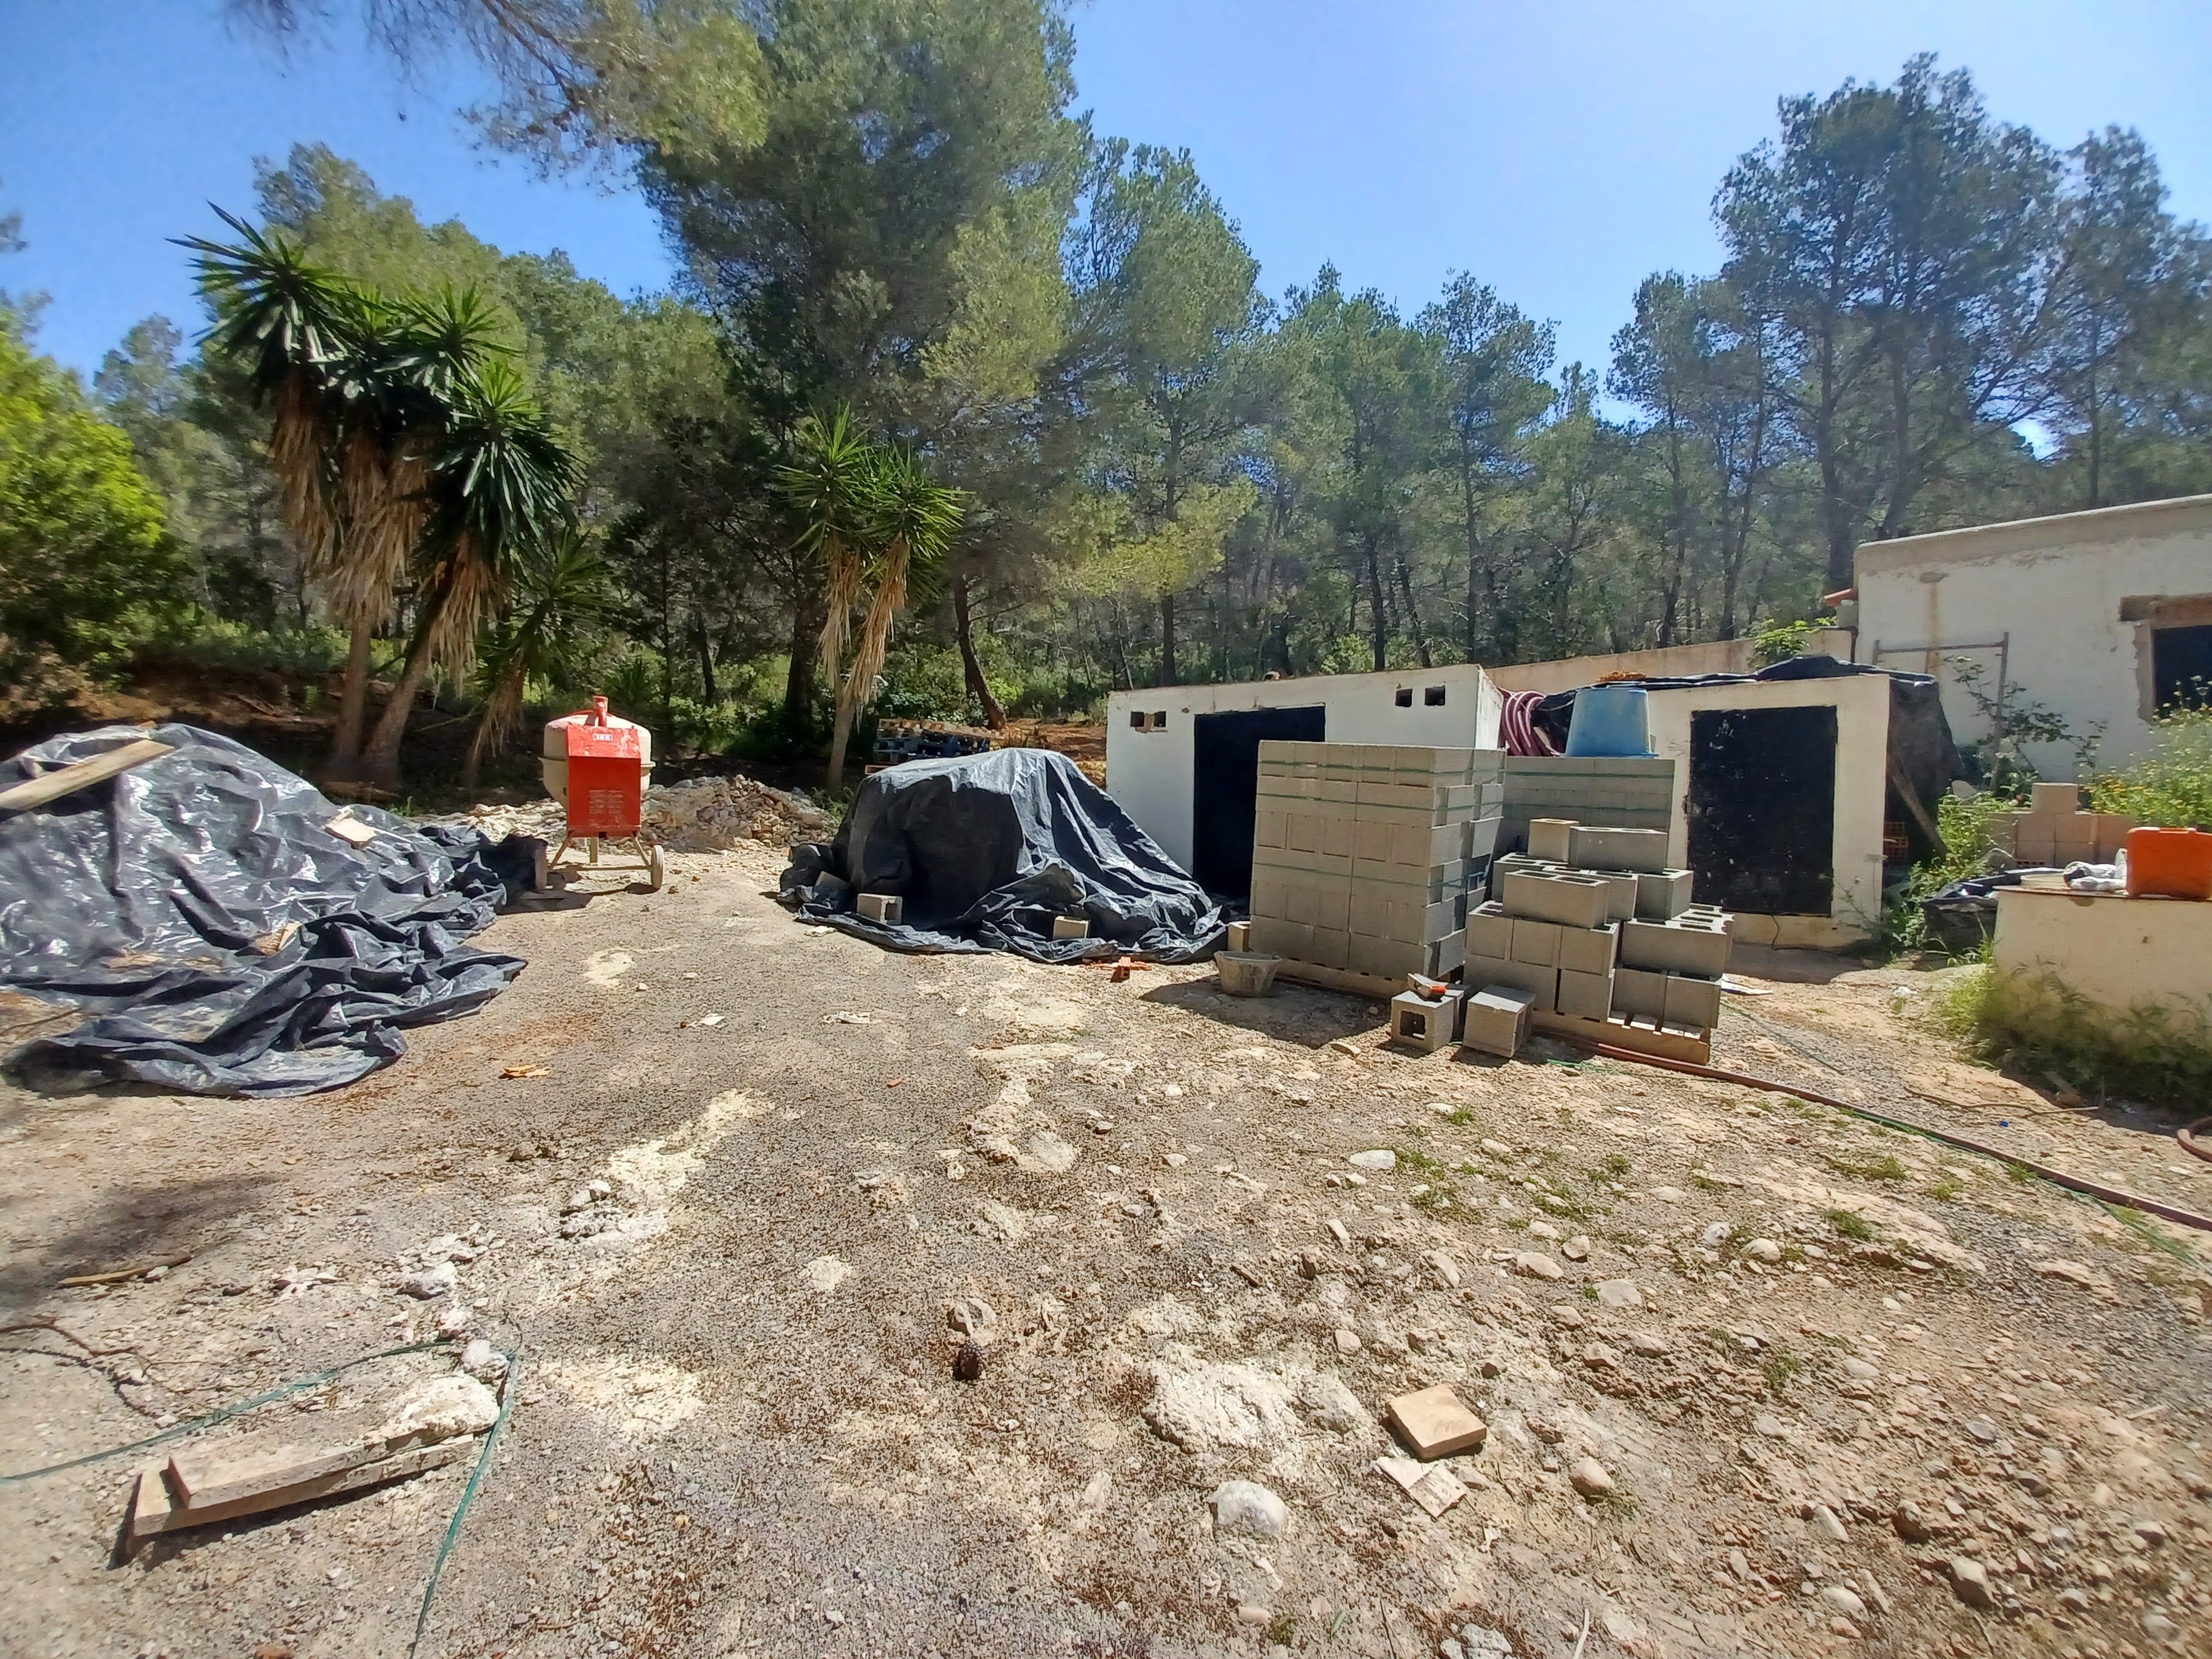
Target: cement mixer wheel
{"points": [[655, 869]]}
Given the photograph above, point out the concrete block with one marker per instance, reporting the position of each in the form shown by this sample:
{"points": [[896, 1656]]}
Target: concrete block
{"points": [[1591, 847], [1693, 1001], [1337, 831], [1275, 937], [1536, 943], [1482, 837], [1445, 956], [1574, 901], [1639, 991], [1269, 826], [1322, 902], [1270, 894], [1331, 948], [1494, 1020], [1541, 983], [1547, 839], [1585, 996], [1070, 927], [2111, 835], [1386, 958], [1619, 892], [2035, 842], [1687, 944], [1589, 949], [1664, 895], [1422, 1023], [1240, 936], [2054, 799], [889, 909]]}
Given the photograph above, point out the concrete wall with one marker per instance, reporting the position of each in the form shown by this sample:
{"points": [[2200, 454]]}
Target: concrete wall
{"points": [[1673, 661], [2117, 952], [1149, 771], [2074, 598], [1862, 705]]}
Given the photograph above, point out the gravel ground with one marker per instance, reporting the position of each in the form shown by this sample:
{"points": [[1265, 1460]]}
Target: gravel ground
{"points": [[1848, 1390]]}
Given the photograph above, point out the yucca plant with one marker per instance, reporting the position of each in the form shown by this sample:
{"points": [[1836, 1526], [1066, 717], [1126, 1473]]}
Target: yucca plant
{"points": [[500, 487], [562, 595]]}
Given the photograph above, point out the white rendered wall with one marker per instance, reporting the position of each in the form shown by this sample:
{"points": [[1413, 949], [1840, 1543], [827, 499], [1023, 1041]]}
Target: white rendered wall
{"points": [[2116, 951], [1149, 772], [1662, 662], [2055, 586], [1861, 706]]}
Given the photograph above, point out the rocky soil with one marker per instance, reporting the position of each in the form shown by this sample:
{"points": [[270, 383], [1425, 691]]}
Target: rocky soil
{"points": [[1759, 1378]]}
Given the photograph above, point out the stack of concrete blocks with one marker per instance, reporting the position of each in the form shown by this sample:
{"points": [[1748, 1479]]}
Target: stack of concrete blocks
{"points": [[1592, 925], [2055, 832], [1364, 855], [1627, 794]]}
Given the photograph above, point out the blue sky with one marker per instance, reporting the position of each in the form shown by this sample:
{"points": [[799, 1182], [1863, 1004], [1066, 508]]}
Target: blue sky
{"points": [[1560, 153]]}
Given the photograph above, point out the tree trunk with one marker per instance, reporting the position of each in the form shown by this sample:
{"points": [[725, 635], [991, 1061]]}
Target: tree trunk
{"points": [[806, 618], [353, 706], [840, 733], [971, 664], [380, 766], [703, 642], [1382, 634], [1413, 611], [1167, 639]]}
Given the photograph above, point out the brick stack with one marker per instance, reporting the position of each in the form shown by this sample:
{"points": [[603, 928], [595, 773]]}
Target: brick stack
{"points": [[1364, 855], [1599, 929], [2055, 832], [1630, 794]]}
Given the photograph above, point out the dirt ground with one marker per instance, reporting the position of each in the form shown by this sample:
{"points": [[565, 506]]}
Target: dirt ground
{"points": [[1853, 1391]]}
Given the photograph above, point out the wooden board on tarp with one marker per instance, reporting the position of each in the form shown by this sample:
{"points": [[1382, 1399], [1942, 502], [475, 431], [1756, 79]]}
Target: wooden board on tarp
{"points": [[1644, 1036], [79, 775]]}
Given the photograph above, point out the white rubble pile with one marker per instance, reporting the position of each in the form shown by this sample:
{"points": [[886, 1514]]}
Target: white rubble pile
{"points": [[709, 815]]}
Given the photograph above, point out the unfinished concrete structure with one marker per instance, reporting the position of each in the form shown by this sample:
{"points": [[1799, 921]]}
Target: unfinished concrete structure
{"points": [[2102, 618], [1184, 761]]}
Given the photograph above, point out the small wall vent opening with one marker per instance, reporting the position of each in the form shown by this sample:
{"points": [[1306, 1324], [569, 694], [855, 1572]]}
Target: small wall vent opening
{"points": [[1432, 696], [1404, 696]]}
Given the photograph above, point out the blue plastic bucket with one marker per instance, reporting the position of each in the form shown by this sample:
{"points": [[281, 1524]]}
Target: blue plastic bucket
{"points": [[1611, 720]]}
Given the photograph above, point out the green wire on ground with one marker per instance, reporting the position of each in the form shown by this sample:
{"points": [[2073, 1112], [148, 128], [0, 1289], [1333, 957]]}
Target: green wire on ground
{"points": [[507, 1399], [225, 1414]]}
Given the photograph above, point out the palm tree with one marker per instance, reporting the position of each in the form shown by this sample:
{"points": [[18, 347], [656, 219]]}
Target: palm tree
{"points": [[562, 596], [499, 485], [877, 522]]}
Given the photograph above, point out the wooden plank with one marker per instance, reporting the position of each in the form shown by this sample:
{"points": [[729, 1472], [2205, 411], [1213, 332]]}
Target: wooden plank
{"points": [[351, 831], [81, 774], [1645, 1039], [155, 1509], [209, 1477], [1341, 979]]}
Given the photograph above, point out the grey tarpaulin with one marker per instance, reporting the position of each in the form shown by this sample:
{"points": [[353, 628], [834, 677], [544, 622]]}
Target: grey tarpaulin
{"points": [[209, 934], [987, 849]]}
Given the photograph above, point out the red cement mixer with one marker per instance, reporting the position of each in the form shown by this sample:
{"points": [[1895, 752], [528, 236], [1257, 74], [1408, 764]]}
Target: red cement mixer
{"points": [[596, 765]]}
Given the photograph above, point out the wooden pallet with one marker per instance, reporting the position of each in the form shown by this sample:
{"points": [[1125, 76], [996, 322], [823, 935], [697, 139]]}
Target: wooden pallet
{"points": [[1341, 979], [1645, 1037]]}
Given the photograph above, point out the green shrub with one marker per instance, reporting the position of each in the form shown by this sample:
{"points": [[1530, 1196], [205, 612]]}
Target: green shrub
{"points": [[2172, 784], [2036, 1025]]}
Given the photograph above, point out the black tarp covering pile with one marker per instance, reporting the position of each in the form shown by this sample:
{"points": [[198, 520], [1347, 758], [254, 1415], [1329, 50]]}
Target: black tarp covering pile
{"points": [[1921, 751], [987, 849], [213, 935]]}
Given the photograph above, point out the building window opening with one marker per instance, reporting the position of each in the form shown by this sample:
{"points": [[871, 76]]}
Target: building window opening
{"points": [[1404, 696], [1433, 697], [1137, 718], [2181, 667], [1159, 720]]}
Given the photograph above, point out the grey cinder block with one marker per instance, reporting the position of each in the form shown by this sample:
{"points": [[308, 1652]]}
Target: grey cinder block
{"points": [[1425, 1025], [1585, 996], [1494, 1020], [1691, 1000], [1593, 847], [1573, 901], [1547, 838], [1070, 927], [1489, 931], [1687, 945], [1535, 943], [1541, 983], [1663, 896], [1639, 991], [886, 907], [1590, 950]]}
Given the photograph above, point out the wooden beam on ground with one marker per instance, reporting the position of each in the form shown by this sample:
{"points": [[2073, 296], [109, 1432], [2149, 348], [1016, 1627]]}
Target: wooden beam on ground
{"points": [[81, 774], [155, 1509]]}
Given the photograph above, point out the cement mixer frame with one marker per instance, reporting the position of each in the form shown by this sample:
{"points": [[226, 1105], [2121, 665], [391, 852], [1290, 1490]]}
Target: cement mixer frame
{"points": [[598, 775]]}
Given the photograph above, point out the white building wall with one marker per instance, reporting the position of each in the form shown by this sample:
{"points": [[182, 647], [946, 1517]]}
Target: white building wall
{"points": [[1862, 705], [1662, 662], [1149, 771], [2049, 600]]}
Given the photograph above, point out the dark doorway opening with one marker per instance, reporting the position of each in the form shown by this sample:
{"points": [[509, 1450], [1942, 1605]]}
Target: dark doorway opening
{"points": [[1225, 783], [1762, 808]]}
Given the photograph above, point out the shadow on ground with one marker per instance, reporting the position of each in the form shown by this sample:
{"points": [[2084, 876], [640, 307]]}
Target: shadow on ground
{"points": [[124, 1227], [1289, 1013]]}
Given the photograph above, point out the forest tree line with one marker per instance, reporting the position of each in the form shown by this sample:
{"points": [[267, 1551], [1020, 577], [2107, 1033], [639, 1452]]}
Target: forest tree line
{"points": [[1924, 317]]}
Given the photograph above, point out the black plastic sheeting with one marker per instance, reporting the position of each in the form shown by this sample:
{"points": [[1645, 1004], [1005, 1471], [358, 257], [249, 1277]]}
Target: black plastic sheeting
{"points": [[216, 937], [986, 850], [1921, 748]]}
